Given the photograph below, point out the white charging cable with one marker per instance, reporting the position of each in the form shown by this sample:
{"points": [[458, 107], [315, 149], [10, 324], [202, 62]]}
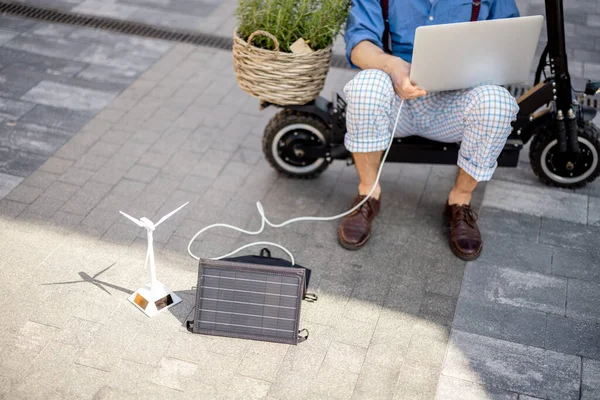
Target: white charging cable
{"points": [[265, 221]]}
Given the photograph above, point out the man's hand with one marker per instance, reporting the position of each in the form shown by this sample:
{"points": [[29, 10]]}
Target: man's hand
{"points": [[366, 55], [399, 71]]}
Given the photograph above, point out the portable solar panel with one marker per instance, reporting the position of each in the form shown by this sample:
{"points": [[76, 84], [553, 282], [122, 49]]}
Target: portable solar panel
{"points": [[251, 297]]}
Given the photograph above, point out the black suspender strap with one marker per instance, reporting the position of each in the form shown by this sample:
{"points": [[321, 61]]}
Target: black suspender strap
{"points": [[475, 10], [387, 38]]}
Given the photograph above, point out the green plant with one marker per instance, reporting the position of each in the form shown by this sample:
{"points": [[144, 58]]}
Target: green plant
{"points": [[316, 21]]}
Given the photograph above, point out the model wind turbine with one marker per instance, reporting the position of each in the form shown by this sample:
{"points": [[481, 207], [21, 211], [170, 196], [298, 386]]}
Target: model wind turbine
{"points": [[155, 297]]}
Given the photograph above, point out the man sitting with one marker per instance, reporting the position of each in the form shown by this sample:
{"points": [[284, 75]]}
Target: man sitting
{"points": [[479, 118]]}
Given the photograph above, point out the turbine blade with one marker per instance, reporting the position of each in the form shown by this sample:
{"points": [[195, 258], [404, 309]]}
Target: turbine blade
{"points": [[136, 221], [163, 219]]}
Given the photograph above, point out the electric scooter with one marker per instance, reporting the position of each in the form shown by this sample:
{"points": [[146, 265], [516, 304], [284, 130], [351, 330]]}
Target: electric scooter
{"points": [[301, 141]]}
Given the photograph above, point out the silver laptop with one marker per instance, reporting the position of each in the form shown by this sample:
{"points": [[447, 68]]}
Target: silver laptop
{"points": [[468, 54]]}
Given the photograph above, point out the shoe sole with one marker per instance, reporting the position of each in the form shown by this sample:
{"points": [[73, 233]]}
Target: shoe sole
{"points": [[349, 246], [463, 256]]}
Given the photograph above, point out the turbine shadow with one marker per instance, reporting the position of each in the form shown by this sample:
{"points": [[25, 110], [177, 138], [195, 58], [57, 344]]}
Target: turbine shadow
{"points": [[85, 278]]}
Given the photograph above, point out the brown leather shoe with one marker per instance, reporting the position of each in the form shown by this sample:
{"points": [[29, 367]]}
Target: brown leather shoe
{"points": [[464, 236], [355, 228]]}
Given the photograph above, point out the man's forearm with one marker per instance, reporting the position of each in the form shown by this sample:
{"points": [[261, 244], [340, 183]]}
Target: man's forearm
{"points": [[367, 55]]}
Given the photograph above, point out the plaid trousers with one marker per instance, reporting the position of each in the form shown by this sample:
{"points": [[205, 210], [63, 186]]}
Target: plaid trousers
{"points": [[479, 118]]}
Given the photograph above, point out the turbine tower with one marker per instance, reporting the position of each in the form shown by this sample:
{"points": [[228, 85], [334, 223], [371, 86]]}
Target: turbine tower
{"points": [[154, 297]]}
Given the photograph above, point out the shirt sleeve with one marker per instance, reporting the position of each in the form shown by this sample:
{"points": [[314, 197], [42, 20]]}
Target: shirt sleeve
{"points": [[504, 9], [365, 22]]}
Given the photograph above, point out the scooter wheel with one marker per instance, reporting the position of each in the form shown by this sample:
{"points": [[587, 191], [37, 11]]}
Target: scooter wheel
{"points": [[566, 170], [284, 132]]}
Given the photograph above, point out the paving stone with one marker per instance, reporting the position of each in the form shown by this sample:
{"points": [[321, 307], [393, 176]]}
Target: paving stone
{"points": [[19, 163], [109, 175], [425, 351], [66, 219], [517, 288], [8, 183], [147, 349], [66, 96], [45, 206], [116, 136], [60, 190], [334, 383], [513, 367], [33, 138], [86, 198], [590, 382], [10, 209], [572, 336], [12, 110], [56, 165], [48, 65], [514, 324], [102, 73], [76, 176], [594, 211], [122, 57], [514, 253], [437, 304], [345, 357], [56, 118], [536, 201], [524, 227], [171, 372], [583, 300], [24, 194], [375, 382], [16, 24], [417, 382], [569, 234], [91, 162], [142, 174], [457, 389], [14, 83]]}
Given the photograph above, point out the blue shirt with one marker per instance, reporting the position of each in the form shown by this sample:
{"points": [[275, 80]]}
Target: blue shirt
{"points": [[365, 21]]}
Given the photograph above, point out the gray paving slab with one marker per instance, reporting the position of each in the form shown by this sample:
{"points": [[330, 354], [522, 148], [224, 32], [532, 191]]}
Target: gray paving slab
{"points": [[583, 300], [8, 183], [542, 202], [56, 118], [70, 97], [590, 379], [508, 286], [572, 336], [569, 235], [506, 322], [514, 367], [12, 110], [19, 162], [452, 388], [33, 138], [577, 264]]}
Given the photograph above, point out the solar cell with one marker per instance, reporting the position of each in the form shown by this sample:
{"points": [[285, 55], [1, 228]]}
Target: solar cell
{"points": [[260, 302]]}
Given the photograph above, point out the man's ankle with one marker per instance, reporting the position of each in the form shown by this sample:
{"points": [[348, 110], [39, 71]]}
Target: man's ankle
{"points": [[459, 197], [366, 189]]}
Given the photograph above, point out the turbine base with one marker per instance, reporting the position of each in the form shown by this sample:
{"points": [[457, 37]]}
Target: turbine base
{"points": [[151, 300]]}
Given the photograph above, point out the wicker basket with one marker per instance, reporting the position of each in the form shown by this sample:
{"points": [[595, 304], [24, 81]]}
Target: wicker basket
{"points": [[279, 77]]}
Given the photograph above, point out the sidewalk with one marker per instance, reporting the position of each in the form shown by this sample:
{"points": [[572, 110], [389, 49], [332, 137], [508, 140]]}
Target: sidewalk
{"points": [[400, 319]]}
